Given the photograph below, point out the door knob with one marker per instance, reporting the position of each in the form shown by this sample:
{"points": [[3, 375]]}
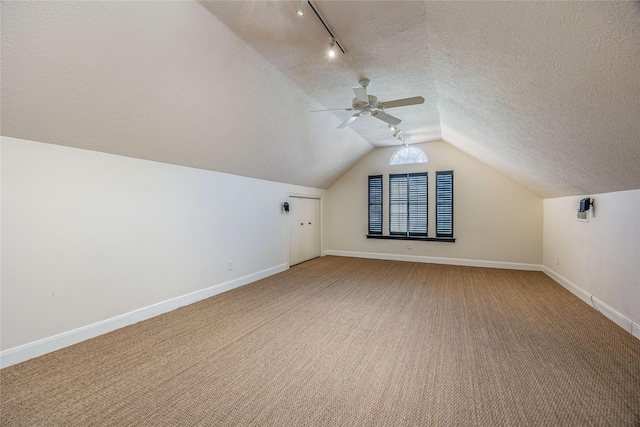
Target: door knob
{"points": [[302, 223]]}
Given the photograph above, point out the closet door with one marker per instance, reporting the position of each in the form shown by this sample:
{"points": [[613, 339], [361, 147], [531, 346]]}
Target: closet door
{"points": [[304, 229], [312, 229], [296, 230]]}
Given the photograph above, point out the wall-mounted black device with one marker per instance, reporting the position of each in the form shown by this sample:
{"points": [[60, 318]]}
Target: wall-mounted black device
{"points": [[585, 204], [285, 207]]}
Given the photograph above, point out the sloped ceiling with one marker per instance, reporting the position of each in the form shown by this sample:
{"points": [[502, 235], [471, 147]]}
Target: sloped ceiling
{"points": [[546, 92], [162, 81]]}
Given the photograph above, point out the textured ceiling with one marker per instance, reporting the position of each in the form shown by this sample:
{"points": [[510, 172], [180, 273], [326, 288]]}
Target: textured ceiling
{"points": [[546, 92], [162, 81], [385, 42]]}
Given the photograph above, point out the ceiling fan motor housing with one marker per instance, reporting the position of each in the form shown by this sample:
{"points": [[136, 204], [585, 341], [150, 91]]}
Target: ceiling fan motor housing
{"points": [[373, 103]]}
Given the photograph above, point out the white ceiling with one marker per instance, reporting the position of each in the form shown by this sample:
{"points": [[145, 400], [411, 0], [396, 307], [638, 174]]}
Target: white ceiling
{"points": [[546, 92], [392, 56]]}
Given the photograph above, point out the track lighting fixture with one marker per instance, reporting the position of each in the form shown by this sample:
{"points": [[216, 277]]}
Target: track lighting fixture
{"points": [[301, 10], [332, 48], [397, 133]]}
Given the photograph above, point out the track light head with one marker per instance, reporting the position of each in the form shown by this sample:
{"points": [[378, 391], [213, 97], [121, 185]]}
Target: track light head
{"points": [[302, 8], [332, 48], [397, 133]]}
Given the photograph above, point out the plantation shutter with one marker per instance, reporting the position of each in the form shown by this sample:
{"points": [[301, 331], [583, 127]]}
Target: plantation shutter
{"points": [[375, 204], [408, 204], [444, 204], [418, 204], [398, 204]]}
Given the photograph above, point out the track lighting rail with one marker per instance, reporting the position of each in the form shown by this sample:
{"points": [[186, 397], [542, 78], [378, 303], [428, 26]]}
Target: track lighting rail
{"points": [[333, 37]]}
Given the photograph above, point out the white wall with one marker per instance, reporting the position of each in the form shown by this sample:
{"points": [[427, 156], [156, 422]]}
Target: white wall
{"points": [[89, 236], [495, 219], [600, 257]]}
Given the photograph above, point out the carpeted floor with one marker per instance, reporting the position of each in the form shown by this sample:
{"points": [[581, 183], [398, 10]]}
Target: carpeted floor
{"points": [[347, 342]]}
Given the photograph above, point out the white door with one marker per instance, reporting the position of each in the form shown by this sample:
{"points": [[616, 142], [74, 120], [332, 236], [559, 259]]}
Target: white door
{"points": [[304, 229]]}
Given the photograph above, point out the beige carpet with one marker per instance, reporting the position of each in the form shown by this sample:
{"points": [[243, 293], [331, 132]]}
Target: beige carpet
{"points": [[348, 342]]}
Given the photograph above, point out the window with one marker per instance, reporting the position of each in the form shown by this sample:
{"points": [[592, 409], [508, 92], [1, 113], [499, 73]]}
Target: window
{"points": [[408, 215], [408, 155], [375, 204], [408, 204], [444, 204]]}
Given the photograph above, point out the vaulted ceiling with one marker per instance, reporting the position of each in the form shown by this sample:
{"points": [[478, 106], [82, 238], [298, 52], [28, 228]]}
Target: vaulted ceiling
{"points": [[546, 92]]}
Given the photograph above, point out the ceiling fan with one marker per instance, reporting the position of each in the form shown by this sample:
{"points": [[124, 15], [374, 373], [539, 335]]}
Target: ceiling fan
{"points": [[365, 104]]}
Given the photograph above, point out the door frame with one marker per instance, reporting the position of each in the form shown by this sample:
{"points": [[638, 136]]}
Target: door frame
{"points": [[288, 222]]}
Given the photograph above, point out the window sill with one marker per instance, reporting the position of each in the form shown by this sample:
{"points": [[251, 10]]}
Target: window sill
{"points": [[424, 239]]}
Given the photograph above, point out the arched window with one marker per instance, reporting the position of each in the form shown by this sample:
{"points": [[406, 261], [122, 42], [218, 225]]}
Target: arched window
{"points": [[408, 155]]}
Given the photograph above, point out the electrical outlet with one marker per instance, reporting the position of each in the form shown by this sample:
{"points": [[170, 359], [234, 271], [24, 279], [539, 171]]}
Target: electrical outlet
{"points": [[229, 265], [557, 260], [409, 246]]}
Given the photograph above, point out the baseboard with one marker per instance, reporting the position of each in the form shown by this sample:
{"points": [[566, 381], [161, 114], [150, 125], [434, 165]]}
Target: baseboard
{"points": [[47, 345], [610, 313], [438, 260], [570, 286]]}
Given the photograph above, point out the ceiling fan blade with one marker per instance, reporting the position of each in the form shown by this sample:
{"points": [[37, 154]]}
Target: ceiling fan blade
{"points": [[332, 109], [386, 117], [402, 102], [349, 121], [361, 94]]}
